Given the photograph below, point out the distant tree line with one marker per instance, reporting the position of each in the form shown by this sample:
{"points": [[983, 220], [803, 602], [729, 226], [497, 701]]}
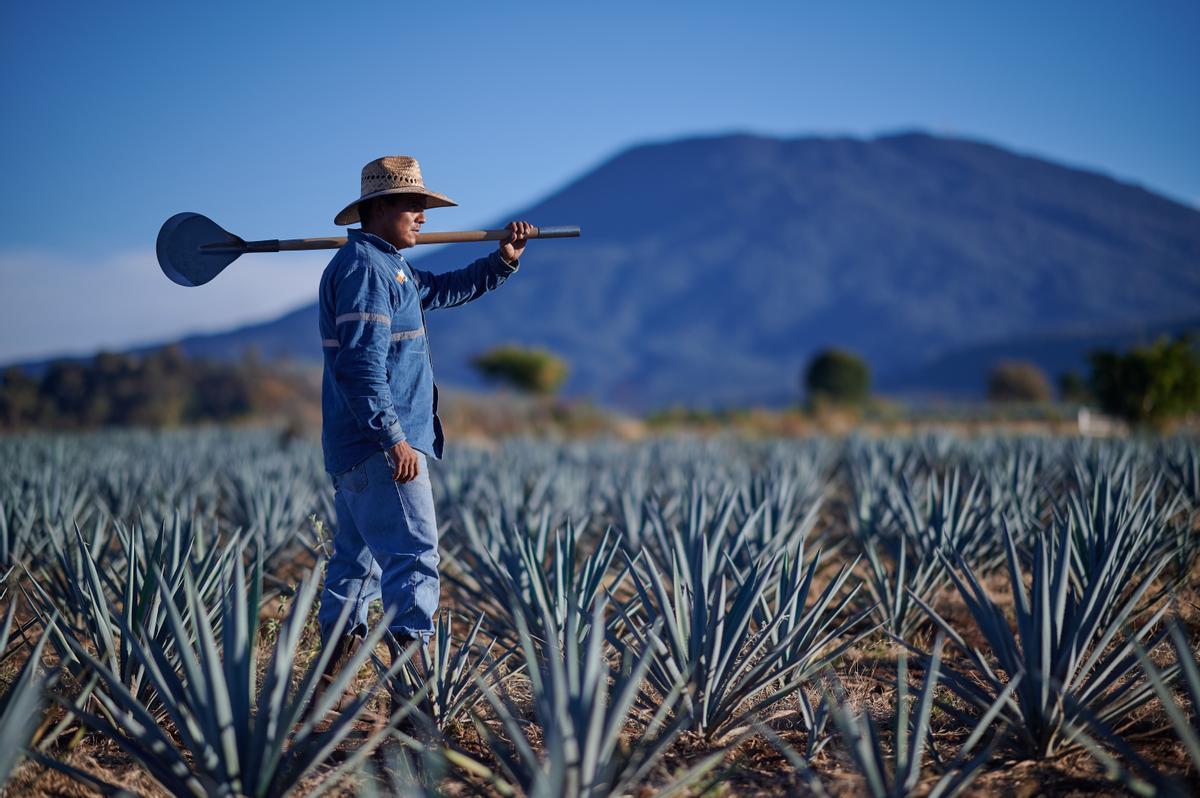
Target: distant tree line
{"points": [[1146, 385], [161, 389]]}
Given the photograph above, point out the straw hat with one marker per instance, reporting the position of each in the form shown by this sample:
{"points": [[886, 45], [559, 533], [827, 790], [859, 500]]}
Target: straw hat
{"points": [[391, 174]]}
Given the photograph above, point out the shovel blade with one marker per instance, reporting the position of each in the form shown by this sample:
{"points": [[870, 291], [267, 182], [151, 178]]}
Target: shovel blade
{"points": [[179, 249]]}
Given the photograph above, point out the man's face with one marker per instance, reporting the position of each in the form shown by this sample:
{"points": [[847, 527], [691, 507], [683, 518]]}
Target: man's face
{"points": [[399, 219]]}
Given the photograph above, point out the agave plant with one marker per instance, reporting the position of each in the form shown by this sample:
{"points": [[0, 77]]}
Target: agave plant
{"points": [[21, 703], [787, 497], [1187, 730], [1139, 776], [1182, 463], [402, 772], [707, 524], [61, 492], [100, 603], [18, 543], [1067, 644], [903, 535], [584, 753], [820, 619], [899, 588], [510, 575], [699, 549], [938, 451], [1124, 514], [9, 648], [449, 679], [233, 738], [897, 772], [946, 517], [1091, 462], [729, 642], [1018, 476], [275, 505]]}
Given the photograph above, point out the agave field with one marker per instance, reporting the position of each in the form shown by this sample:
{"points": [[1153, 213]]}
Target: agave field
{"points": [[926, 616]]}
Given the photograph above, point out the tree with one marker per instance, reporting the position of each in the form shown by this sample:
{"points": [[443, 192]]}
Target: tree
{"points": [[837, 376], [536, 371], [1073, 388], [1018, 381], [1148, 384], [18, 398], [63, 393], [165, 378]]}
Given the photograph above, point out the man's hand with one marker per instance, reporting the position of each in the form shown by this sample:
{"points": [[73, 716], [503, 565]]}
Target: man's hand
{"points": [[512, 247], [405, 464]]}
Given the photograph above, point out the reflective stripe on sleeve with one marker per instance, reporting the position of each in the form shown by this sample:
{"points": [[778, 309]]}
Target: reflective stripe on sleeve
{"points": [[375, 317], [403, 335]]}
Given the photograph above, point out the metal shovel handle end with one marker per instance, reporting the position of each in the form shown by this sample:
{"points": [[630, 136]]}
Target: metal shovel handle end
{"points": [[565, 231]]}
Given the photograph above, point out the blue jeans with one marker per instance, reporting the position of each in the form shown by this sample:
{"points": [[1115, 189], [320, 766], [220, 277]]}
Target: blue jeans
{"points": [[385, 546]]}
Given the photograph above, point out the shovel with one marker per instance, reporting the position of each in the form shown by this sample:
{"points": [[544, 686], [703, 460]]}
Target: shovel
{"points": [[193, 249]]}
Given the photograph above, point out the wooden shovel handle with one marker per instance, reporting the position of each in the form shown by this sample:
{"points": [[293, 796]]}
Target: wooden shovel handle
{"points": [[459, 237]]}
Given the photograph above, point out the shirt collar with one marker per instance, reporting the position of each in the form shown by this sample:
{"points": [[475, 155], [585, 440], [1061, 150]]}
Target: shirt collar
{"points": [[358, 234]]}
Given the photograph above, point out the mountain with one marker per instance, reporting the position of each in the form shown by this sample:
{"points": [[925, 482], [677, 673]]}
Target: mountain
{"points": [[711, 269]]}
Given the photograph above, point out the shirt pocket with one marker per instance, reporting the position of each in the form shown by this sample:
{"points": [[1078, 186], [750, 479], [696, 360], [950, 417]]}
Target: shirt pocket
{"points": [[408, 341]]}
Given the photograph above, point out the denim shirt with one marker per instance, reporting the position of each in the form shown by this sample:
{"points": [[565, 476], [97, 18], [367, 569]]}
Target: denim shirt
{"points": [[377, 388]]}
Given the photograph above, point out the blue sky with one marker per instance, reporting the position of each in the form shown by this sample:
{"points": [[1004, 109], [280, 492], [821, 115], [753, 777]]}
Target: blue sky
{"points": [[261, 114]]}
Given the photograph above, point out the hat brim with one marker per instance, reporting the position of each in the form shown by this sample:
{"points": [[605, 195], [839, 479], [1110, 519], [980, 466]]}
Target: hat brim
{"points": [[349, 214]]}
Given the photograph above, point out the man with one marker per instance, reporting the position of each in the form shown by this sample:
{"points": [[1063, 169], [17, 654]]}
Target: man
{"points": [[379, 403]]}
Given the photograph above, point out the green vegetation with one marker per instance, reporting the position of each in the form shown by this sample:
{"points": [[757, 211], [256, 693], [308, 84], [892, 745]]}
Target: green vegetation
{"points": [[1018, 381], [1149, 384], [535, 371], [839, 377]]}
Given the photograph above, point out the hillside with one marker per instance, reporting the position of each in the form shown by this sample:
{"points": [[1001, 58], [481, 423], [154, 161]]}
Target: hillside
{"points": [[710, 269]]}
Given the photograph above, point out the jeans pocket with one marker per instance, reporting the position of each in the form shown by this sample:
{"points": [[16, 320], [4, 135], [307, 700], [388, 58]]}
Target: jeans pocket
{"points": [[422, 467], [352, 480], [416, 504]]}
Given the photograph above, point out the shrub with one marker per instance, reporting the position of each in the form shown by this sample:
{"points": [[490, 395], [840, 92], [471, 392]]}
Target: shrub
{"points": [[529, 370], [1018, 381], [837, 376]]}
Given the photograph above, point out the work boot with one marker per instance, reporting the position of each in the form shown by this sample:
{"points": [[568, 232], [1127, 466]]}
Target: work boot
{"points": [[344, 650]]}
